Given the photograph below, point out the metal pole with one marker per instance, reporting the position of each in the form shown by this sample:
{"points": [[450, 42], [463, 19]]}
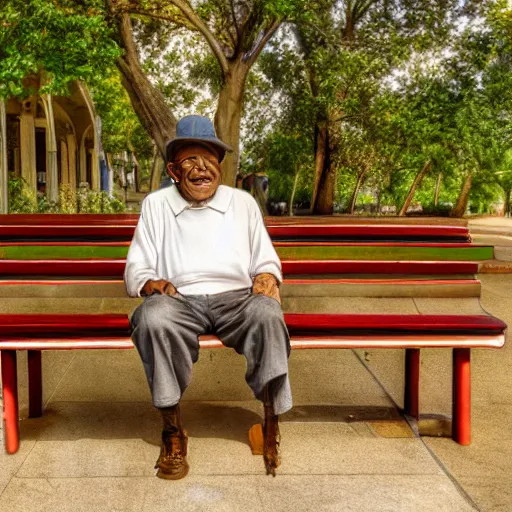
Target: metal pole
{"points": [[461, 420]]}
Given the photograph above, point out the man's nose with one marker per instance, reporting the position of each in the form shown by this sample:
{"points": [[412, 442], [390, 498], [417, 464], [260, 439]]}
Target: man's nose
{"points": [[201, 164]]}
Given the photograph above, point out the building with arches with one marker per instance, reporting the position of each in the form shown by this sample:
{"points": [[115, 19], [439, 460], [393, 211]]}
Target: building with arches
{"points": [[49, 141]]}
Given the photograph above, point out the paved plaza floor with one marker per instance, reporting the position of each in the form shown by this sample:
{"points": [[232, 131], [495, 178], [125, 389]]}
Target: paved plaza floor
{"points": [[345, 446]]}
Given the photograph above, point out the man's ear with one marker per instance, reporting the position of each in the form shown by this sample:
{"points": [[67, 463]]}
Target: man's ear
{"points": [[174, 171]]}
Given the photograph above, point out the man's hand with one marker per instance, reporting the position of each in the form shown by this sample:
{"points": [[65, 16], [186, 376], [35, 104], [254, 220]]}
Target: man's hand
{"points": [[266, 284], [161, 286]]}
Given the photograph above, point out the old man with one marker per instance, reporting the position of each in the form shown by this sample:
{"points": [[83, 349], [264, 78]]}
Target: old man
{"points": [[204, 263]]}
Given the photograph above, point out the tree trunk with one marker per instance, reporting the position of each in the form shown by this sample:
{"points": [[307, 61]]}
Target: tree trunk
{"points": [[438, 188], [462, 202], [294, 189], [148, 102], [228, 116], [379, 196], [156, 170], [323, 192], [348, 31], [414, 186], [507, 203], [355, 193]]}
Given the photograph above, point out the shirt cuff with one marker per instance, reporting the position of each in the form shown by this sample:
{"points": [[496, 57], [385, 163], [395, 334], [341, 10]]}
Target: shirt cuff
{"points": [[269, 268], [134, 286]]}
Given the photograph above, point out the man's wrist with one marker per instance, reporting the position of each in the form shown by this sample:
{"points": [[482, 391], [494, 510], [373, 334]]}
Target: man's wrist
{"points": [[267, 276], [143, 292]]}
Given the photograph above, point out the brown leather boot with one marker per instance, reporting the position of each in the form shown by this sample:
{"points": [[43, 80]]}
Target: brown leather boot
{"points": [[172, 463], [271, 439]]}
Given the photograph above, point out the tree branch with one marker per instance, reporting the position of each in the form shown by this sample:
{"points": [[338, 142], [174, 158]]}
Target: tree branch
{"points": [[126, 33], [191, 16], [345, 117], [189, 13], [150, 14], [255, 52], [148, 102], [235, 21]]}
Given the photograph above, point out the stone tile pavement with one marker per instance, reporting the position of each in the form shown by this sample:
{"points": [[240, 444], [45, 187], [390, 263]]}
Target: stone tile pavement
{"points": [[345, 447]]}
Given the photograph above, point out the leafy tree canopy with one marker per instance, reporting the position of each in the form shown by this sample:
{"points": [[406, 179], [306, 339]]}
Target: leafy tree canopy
{"points": [[54, 42]]}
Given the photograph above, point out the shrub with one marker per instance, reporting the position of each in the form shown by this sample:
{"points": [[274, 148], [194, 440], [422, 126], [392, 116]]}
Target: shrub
{"points": [[21, 198], [67, 199], [440, 210], [83, 200], [92, 201], [46, 206]]}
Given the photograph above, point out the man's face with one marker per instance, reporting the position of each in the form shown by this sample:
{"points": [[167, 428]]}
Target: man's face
{"points": [[197, 170]]}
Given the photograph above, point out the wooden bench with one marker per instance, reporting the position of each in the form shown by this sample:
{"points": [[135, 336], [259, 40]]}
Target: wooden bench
{"points": [[329, 301]]}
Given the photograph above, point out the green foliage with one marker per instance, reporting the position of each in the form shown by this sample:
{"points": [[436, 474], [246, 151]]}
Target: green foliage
{"points": [[178, 58], [67, 199], [83, 200], [121, 128], [65, 40], [398, 83], [46, 206], [91, 201], [21, 199]]}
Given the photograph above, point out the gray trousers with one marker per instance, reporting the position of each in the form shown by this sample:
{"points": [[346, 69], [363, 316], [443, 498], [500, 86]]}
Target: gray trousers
{"points": [[166, 330]]}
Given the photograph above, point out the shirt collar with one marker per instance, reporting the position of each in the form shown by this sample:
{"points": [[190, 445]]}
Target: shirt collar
{"points": [[220, 201]]}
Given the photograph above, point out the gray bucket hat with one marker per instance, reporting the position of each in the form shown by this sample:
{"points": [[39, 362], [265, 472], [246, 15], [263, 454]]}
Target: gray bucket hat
{"points": [[195, 129]]}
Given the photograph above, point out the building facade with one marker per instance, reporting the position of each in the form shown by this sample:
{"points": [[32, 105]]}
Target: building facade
{"points": [[49, 141]]}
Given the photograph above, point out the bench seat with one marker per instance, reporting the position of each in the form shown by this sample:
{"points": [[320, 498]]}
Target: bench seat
{"points": [[298, 325], [35, 333]]}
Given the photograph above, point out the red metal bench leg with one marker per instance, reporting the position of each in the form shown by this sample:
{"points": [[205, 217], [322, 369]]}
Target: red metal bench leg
{"points": [[35, 384], [10, 396], [412, 382], [461, 422]]}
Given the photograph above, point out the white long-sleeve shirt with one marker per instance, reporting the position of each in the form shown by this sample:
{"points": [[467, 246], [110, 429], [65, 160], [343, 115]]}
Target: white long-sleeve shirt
{"points": [[201, 251]]}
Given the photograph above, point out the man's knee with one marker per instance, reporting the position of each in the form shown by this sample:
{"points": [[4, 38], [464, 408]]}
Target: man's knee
{"points": [[153, 313], [267, 316], [265, 310]]}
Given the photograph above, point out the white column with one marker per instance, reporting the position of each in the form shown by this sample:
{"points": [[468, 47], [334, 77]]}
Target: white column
{"points": [[28, 149], [52, 175], [4, 176]]}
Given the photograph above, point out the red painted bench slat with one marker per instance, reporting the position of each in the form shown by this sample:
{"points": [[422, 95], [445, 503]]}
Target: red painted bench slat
{"points": [[124, 219], [67, 231], [116, 324], [356, 232], [306, 323], [115, 268], [57, 219]]}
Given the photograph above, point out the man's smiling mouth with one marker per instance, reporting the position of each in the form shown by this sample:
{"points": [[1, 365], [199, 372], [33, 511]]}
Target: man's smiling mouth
{"points": [[201, 180]]}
